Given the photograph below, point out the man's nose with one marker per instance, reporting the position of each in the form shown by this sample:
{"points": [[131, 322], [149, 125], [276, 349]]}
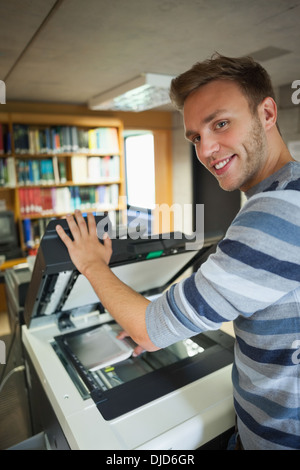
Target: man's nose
{"points": [[209, 146]]}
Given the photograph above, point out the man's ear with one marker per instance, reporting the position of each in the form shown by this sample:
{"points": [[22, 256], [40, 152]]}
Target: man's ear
{"points": [[267, 111]]}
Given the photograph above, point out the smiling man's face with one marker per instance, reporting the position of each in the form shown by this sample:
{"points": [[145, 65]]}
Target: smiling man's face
{"points": [[229, 140]]}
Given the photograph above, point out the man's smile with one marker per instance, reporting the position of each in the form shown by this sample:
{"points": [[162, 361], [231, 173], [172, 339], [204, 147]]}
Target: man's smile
{"points": [[222, 164]]}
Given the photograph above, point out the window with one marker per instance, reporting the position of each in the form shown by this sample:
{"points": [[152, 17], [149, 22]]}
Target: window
{"points": [[140, 169], [148, 160]]}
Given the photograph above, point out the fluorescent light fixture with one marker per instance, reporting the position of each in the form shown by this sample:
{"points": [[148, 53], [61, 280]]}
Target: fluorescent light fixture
{"points": [[146, 91]]}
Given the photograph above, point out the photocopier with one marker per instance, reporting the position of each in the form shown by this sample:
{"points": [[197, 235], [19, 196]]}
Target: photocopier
{"points": [[179, 397]]}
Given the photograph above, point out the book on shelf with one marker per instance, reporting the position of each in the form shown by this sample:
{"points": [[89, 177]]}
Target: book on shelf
{"points": [[36, 172], [94, 169], [103, 140], [107, 168], [62, 170], [7, 172], [3, 172], [21, 138], [79, 168], [49, 201], [59, 170], [33, 230], [5, 139], [55, 170], [1, 140], [11, 172], [64, 139]]}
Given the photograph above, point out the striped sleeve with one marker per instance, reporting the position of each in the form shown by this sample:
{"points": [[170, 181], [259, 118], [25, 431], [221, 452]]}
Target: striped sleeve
{"points": [[254, 267]]}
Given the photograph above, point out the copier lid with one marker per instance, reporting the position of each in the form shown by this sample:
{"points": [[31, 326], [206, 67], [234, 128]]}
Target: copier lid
{"points": [[148, 265]]}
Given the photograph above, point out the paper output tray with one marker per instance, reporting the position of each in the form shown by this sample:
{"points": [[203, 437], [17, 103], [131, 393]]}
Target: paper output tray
{"points": [[134, 382]]}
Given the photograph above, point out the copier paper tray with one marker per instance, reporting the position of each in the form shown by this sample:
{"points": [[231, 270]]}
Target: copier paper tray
{"points": [[58, 291]]}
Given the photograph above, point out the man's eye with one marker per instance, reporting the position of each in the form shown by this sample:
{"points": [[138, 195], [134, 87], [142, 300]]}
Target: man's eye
{"points": [[196, 139], [221, 124]]}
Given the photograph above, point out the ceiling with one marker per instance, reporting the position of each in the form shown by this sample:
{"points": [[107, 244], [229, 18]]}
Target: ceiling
{"points": [[68, 51]]}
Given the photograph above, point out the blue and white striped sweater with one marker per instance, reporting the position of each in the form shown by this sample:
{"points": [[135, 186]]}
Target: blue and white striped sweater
{"points": [[254, 280]]}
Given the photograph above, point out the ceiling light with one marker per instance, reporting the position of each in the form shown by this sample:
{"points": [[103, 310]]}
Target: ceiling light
{"points": [[146, 91]]}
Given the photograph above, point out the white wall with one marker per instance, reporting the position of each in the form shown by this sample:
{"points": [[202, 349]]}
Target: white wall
{"points": [[289, 116], [182, 172], [289, 124]]}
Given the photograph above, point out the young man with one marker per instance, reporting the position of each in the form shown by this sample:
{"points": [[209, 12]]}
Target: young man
{"points": [[253, 278]]}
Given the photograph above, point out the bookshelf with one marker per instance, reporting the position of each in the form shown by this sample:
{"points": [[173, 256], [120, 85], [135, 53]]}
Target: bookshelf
{"points": [[52, 164]]}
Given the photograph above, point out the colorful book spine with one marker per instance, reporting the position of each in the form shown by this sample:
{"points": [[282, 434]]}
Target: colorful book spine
{"points": [[5, 140], [35, 172], [28, 235], [50, 201], [7, 172], [33, 231], [64, 139], [95, 169], [3, 172]]}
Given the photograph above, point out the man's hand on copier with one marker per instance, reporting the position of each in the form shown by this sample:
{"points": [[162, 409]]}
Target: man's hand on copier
{"points": [[85, 251], [137, 350], [91, 258]]}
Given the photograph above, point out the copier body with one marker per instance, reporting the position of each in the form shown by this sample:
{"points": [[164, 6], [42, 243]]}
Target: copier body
{"points": [[175, 398]]}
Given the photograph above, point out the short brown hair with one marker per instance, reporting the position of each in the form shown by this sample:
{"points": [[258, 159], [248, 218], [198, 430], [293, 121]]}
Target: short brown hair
{"points": [[252, 78]]}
